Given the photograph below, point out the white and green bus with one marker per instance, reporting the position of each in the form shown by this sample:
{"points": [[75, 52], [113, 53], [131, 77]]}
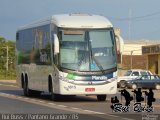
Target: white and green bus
{"points": [[68, 54]]}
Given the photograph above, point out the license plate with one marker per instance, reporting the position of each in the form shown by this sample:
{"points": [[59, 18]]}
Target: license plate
{"points": [[89, 89]]}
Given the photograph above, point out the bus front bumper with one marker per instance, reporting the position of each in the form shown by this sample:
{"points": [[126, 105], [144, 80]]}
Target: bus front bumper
{"points": [[87, 88]]}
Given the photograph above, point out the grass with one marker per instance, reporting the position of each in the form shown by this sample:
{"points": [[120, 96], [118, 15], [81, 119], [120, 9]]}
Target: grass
{"points": [[7, 75]]}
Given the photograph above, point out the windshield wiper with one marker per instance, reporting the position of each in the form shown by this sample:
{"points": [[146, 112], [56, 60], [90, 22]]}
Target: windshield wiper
{"points": [[81, 60], [97, 63]]}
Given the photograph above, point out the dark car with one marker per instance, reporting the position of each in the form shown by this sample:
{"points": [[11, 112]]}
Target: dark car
{"points": [[146, 81]]}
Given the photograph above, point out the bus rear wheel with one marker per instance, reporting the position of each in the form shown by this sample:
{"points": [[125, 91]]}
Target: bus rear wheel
{"points": [[101, 97], [26, 90]]}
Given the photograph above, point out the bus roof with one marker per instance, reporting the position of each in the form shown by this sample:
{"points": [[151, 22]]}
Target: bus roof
{"points": [[73, 21]]}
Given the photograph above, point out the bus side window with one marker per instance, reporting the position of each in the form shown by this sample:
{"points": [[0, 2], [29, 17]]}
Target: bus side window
{"points": [[17, 36], [60, 35]]}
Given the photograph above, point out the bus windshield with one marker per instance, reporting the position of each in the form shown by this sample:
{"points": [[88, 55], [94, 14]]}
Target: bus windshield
{"points": [[87, 50]]}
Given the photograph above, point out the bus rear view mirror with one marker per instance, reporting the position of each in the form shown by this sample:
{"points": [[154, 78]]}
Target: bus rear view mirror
{"points": [[56, 44]]}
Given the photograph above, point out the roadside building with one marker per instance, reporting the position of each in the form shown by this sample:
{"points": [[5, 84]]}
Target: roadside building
{"points": [[152, 53], [137, 54], [132, 54], [132, 57]]}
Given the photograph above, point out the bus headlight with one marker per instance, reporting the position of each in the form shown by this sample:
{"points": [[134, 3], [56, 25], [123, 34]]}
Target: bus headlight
{"points": [[112, 79]]}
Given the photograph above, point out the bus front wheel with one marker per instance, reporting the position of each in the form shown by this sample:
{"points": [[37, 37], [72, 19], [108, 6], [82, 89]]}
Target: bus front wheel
{"points": [[101, 97], [54, 96]]}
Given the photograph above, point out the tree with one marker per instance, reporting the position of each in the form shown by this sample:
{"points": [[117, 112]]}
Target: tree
{"points": [[2, 53], [3, 57], [2, 39]]}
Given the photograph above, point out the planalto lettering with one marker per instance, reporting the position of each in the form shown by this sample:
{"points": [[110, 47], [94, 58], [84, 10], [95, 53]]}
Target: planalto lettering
{"points": [[99, 78]]}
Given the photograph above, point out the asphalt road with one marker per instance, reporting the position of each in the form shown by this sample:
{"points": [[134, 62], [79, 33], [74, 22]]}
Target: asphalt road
{"points": [[12, 101]]}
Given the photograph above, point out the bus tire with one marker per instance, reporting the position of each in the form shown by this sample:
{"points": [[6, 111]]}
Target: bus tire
{"points": [[27, 92], [22, 81], [101, 97], [25, 89], [54, 96]]}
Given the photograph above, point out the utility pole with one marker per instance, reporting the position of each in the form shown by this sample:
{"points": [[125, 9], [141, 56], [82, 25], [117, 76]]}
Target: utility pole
{"points": [[131, 58], [7, 58], [129, 22]]}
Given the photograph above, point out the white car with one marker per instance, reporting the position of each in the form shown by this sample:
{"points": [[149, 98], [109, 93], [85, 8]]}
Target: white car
{"points": [[130, 75]]}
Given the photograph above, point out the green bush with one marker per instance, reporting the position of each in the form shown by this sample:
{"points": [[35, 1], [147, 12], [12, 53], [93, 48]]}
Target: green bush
{"points": [[11, 73], [7, 75]]}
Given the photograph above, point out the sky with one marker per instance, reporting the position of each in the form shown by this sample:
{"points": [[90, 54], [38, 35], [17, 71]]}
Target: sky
{"points": [[137, 19]]}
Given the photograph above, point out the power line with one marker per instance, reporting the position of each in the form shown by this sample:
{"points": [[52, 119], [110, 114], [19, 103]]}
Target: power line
{"points": [[137, 17], [150, 32]]}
